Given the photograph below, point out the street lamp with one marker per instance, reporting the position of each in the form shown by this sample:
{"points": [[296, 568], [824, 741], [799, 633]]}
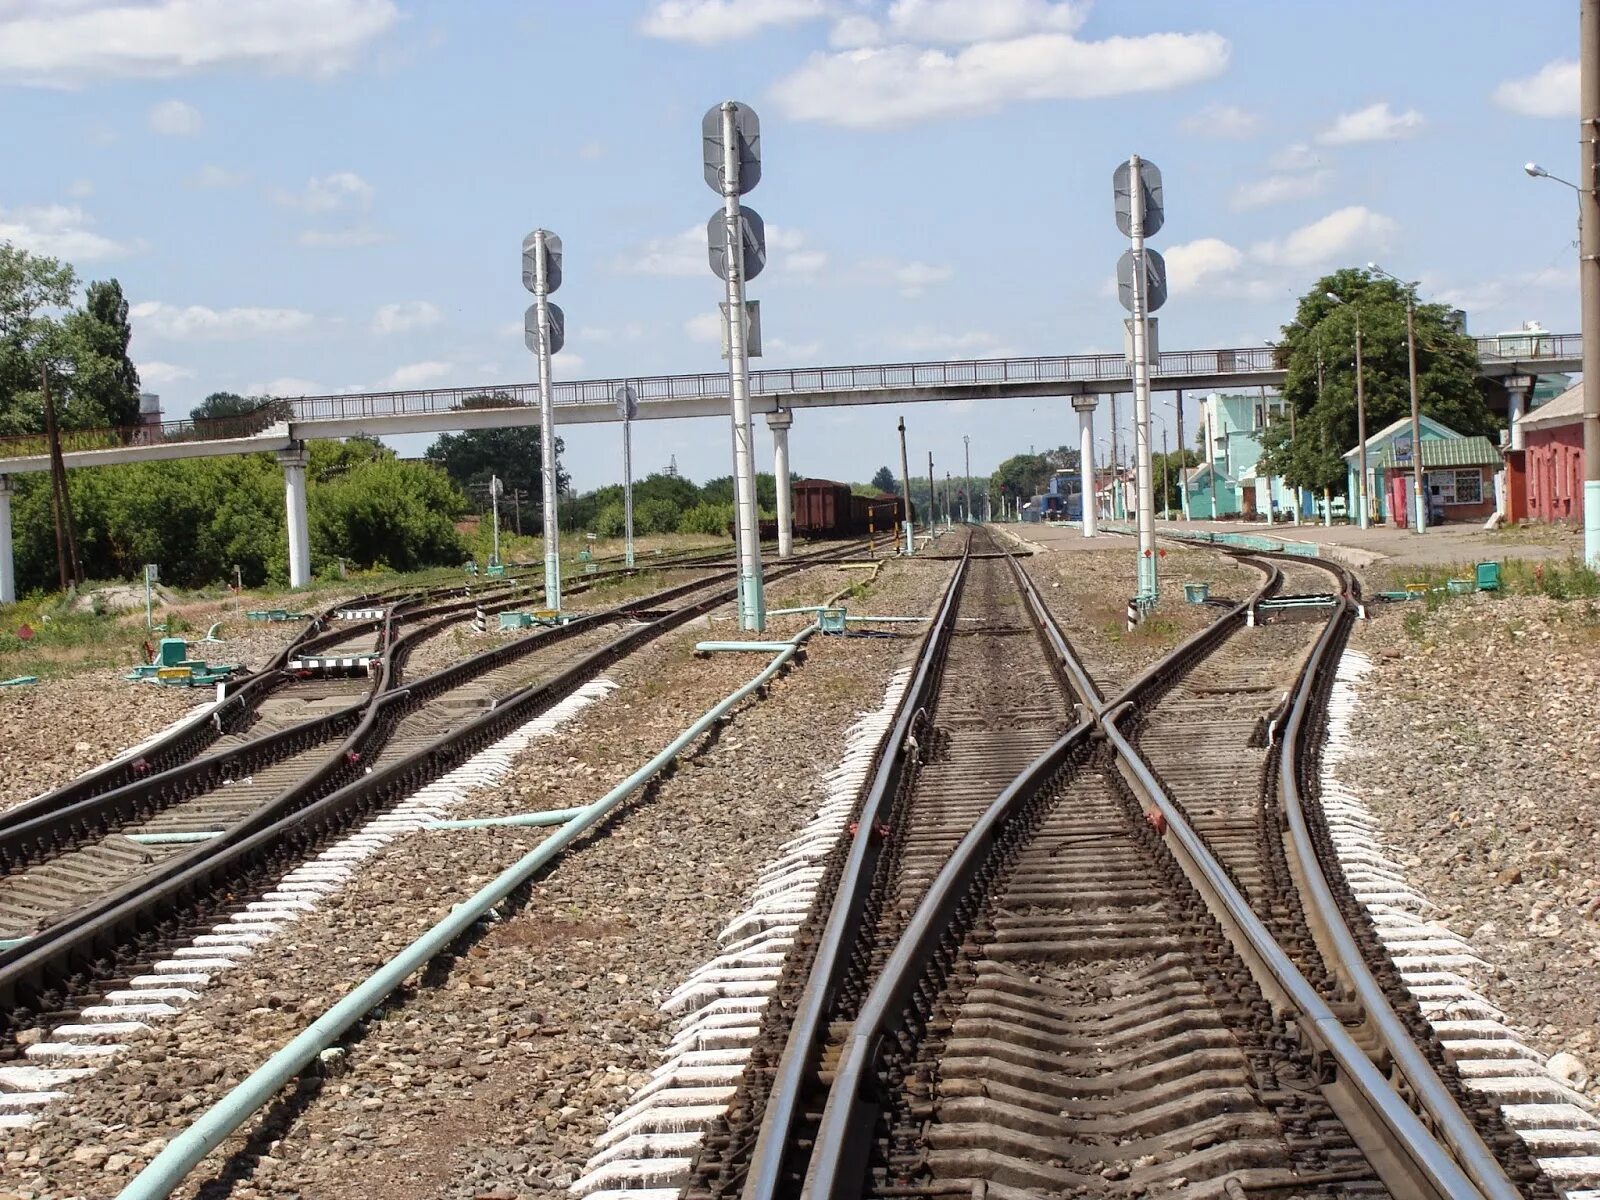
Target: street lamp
{"points": [[1361, 416], [966, 488], [1419, 504]]}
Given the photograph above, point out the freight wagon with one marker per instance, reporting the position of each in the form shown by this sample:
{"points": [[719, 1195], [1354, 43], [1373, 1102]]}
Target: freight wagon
{"points": [[825, 509]]}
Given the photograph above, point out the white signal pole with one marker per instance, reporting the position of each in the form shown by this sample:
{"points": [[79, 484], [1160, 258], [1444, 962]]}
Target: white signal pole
{"points": [[752, 602], [1141, 394], [547, 430]]}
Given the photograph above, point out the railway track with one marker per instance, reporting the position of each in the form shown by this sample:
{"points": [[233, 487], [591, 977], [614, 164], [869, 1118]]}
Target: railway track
{"points": [[404, 737], [1093, 974]]}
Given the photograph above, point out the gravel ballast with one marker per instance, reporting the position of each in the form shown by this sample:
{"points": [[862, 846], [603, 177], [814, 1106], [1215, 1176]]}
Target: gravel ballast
{"points": [[1479, 751], [495, 1077]]}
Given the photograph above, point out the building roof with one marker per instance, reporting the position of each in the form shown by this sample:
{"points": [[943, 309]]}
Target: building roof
{"points": [[1448, 452], [1565, 409], [1388, 431]]}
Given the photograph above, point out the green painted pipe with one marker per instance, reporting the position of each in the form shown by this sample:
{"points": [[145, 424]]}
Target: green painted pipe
{"points": [[169, 1168], [554, 816], [849, 620], [19, 681], [165, 839], [12, 943], [764, 647]]}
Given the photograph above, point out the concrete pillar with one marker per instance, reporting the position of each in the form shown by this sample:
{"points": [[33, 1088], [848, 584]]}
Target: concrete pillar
{"points": [[779, 422], [1517, 399], [1085, 406], [8, 566], [294, 463]]}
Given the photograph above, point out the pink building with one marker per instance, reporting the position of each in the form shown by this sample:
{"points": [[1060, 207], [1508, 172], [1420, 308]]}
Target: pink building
{"points": [[1552, 438]]}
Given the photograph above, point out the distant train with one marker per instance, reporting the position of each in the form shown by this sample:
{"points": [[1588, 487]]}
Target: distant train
{"points": [[1062, 500], [825, 509]]}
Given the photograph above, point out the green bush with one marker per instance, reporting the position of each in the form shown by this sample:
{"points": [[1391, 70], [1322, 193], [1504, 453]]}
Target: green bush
{"points": [[707, 517]]}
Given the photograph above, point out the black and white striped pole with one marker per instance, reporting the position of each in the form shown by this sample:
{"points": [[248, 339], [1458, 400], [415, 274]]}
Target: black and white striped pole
{"points": [[480, 620]]}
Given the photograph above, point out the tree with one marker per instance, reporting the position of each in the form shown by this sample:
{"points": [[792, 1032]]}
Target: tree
{"points": [[1318, 352], [885, 481], [105, 383], [30, 285], [512, 453]]}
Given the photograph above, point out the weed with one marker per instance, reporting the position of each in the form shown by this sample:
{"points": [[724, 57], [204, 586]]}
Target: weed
{"points": [[1414, 623]]}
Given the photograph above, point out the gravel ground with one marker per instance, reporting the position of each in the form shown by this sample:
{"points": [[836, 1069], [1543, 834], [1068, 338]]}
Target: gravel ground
{"points": [[494, 1078], [1482, 759], [92, 717], [53, 731], [1086, 585]]}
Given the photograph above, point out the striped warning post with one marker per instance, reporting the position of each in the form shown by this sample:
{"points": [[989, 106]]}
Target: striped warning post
{"points": [[480, 622]]}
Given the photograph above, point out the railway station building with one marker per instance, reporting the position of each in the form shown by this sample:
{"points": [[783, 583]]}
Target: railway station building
{"points": [[1459, 474], [1546, 474]]}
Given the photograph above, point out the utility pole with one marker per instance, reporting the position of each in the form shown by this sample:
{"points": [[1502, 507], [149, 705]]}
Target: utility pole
{"points": [[966, 487], [1166, 464], [933, 498], [1419, 493], [1361, 424], [627, 408], [1183, 460], [68, 564], [949, 520], [494, 500], [1589, 266], [1116, 465], [905, 490]]}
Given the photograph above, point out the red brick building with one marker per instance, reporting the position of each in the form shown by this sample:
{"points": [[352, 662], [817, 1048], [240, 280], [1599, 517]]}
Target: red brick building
{"points": [[1552, 438]]}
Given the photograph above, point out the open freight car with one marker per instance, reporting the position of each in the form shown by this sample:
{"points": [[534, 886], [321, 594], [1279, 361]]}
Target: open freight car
{"points": [[825, 509]]}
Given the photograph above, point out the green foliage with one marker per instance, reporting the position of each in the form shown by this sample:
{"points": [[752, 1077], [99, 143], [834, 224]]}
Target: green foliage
{"points": [[1318, 350], [1164, 469], [245, 414], [200, 517], [105, 384], [707, 517], [470, 458], [884, 481], [1027, 475]]}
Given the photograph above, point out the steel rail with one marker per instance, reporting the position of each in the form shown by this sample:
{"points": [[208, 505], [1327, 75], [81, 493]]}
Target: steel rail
{"points": [[1451, 1123], [35, 975], [844, 1138], [808, 1028]]}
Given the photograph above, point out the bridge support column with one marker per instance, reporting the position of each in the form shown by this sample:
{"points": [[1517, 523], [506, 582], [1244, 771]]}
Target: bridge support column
{"points": [[1087, 501], [779, 422], [294, 463], [8, 566], [1516, 405]]}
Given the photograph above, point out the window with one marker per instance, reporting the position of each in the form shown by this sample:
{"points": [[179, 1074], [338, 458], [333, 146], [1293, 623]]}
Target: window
{"points": [[1468, 487]]}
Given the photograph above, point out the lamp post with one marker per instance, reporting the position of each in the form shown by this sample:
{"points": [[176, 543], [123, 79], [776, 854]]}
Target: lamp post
{"points": [[1419, 499], [966, 487], [1361, 417], [1588, 262]]}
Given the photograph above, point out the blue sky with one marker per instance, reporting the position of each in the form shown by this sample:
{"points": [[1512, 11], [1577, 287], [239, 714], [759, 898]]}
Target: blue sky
{"points": [[330, 195]]}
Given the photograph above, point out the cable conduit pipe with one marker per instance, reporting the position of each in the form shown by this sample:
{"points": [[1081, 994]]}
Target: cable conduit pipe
{"points": [[184, 1152]]}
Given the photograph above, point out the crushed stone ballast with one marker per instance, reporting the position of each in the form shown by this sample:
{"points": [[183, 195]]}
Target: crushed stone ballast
{"points": [[1445, 973], [101, 1031], [648, 1147]]}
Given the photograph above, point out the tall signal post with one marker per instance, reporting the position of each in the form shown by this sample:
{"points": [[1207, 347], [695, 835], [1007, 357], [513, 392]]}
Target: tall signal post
{"points": [[544, 330], [627, 409], [1142, 287], [736, 237]]}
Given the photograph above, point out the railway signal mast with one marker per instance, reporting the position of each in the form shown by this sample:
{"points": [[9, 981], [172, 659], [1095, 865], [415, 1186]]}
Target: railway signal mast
{"points": [[544, 331], [1142, 288], [731, 145], [627, 408]]}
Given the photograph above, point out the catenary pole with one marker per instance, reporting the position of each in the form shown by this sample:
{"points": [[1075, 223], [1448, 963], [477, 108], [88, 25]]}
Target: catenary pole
{"points": [[1589, 266], [1419, 496], [1088, 501], [933, 498], [905, 489], [966, 485], [1144, 488], [547, 428], [1361, 427], [752, 603]]}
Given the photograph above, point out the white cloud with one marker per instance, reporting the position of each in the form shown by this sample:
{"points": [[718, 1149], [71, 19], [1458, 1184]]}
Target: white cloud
{"points": [[156, 374], [1375, 123], [896, 85], [911, 278], [196, 323], [1221, 121], [340, 239], [404, 317], [961, 22], [1295, 157], [417, 375], [1276, 189], [1551, 91], [930, 343], [330, 193], [704, 327], [591, 151], [853, 31], [80, 189], [54, 44], [684, 255], [216, 177], [60, 230], [1190, 263], [707, 22], [1344, 232], [1507, 293], [286, 385], [174, 118]]}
